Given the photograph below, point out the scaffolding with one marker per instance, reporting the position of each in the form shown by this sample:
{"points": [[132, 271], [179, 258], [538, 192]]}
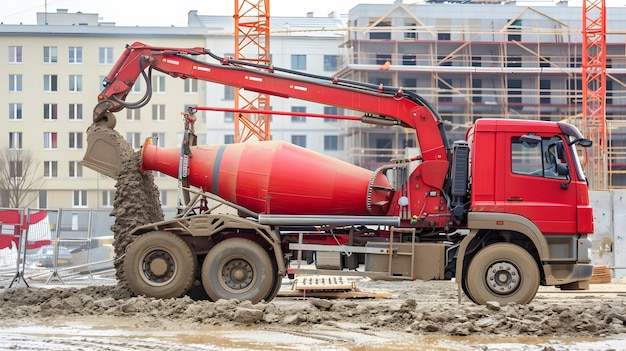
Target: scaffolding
{"points": [[526, 66]]}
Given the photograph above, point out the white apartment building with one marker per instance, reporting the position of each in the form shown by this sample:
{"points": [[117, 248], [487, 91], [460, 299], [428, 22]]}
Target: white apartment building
{"points": [[52, 74]]}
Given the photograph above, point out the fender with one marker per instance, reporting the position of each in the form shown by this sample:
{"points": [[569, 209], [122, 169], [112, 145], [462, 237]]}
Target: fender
{"points": [[499, 221]]}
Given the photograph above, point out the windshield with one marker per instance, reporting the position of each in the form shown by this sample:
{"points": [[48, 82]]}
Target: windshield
{"points": [[577, 164]]}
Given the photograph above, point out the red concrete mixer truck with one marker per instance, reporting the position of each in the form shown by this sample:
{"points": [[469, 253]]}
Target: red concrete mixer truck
{"points": [[503, 211]]}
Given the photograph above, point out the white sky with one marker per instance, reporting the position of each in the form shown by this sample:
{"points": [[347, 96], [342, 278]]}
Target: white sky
{"points": [[165, 12], [174, 12]]}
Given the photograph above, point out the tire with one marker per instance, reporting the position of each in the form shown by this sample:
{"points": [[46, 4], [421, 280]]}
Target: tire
{"points": [[504, 273], [278, 282], [160, 264], [238, 269]]}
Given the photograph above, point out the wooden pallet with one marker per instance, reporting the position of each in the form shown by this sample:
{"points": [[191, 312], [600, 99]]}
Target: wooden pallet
{"points": [[601, 275]]}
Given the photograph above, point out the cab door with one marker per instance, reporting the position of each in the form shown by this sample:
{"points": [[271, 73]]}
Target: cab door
{"points": [[537, 181]]}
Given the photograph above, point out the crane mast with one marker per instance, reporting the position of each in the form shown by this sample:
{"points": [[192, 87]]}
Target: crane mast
{"points": [[252, 44]]}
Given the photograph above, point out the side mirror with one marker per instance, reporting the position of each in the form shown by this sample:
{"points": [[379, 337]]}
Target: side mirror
{"points": [[562, 169]]}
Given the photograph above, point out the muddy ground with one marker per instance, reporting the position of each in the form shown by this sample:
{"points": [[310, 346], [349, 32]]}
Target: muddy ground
{"points": [[426, 313]]}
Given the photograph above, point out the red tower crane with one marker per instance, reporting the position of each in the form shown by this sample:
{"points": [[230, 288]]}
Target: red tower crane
{"points": [[252, 44], [594, 90]]}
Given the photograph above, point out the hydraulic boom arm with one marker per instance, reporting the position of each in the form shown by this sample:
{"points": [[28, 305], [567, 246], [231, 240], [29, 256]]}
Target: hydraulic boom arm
{"points": [[381, 105]]}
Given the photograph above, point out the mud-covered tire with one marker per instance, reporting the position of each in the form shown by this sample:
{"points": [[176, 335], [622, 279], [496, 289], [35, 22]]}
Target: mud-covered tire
{"points": [[160, 264], [239, 269], [278, 282], [502, 272]]}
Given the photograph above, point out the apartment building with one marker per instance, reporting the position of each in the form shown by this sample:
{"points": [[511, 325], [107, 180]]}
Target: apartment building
{"points": [[53, 72]]}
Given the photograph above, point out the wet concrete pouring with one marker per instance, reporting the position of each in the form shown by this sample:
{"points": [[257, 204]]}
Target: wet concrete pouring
{"points": [[417, 315]]}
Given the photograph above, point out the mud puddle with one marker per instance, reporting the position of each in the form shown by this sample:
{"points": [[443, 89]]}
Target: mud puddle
{"points": [[97, 333]]}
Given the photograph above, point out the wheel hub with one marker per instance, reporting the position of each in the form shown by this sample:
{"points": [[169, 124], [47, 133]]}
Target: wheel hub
{"points": [[502, 278], [237, 274], [159, 267]]}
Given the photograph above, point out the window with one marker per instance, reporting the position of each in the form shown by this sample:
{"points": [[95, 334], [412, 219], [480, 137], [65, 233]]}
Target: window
{"points": [[76, 111], [107, 198], [75, 54], [331, 62], [575, 61], [332, 110], [106, 56], [443, 36], [15, 169], [514, 61], [411, 32], [80, 198], [229, 93], [133, 114], [158, 112], [544, 62], [229, 117], [15, 140], [158, 139], [76, 140], [15, 54], [158, 84], [50, 54], [301, 109], [381, 59], [477, 92], [42, 199], [514, 87], [298, 62], [15, 112], [229, 139], [476, 61], [331, 142], [540, 160], [444, 60], [15, 82], [409, 60], [136, 87], [191, 85], [49, 140], [299, 140], [50, 83], [380, 34], [76, 82], [50, 169], [514, 30], [50, 112], [134, 139], [76, 169], [544, 91], [445, 90]]}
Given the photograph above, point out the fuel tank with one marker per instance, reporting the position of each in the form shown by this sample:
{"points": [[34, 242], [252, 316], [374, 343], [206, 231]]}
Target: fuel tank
{"points": [[273, 177]]}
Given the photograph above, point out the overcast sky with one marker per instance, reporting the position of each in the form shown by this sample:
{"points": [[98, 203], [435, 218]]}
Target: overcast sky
{"points": [[164, 12], [174, 12]]}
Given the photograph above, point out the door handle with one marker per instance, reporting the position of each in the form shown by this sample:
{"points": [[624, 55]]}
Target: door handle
{"points": [[515, 199]]}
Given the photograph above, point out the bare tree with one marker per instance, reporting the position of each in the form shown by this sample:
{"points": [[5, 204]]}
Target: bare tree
{"points": [[18, 177]]}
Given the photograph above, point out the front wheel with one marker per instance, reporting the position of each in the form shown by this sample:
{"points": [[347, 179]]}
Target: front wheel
{"points": [[160, 264], [239, 269], [504, 273]]}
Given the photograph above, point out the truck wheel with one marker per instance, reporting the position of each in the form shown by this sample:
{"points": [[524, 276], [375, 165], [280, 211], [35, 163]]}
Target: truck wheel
{"points": [[238, 269], [504, 273], [278, 282], [160, 264]]}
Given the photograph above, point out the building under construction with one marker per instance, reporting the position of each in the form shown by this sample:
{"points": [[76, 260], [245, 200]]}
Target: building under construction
{"points": [[486, 60]]}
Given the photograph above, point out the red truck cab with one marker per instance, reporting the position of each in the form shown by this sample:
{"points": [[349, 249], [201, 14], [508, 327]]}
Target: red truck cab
{"points": [[527, 181]]}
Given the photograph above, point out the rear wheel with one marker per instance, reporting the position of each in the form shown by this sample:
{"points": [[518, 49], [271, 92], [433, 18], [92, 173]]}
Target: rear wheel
{"points": [[160, 264], [502, 272], [239, 269]]}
